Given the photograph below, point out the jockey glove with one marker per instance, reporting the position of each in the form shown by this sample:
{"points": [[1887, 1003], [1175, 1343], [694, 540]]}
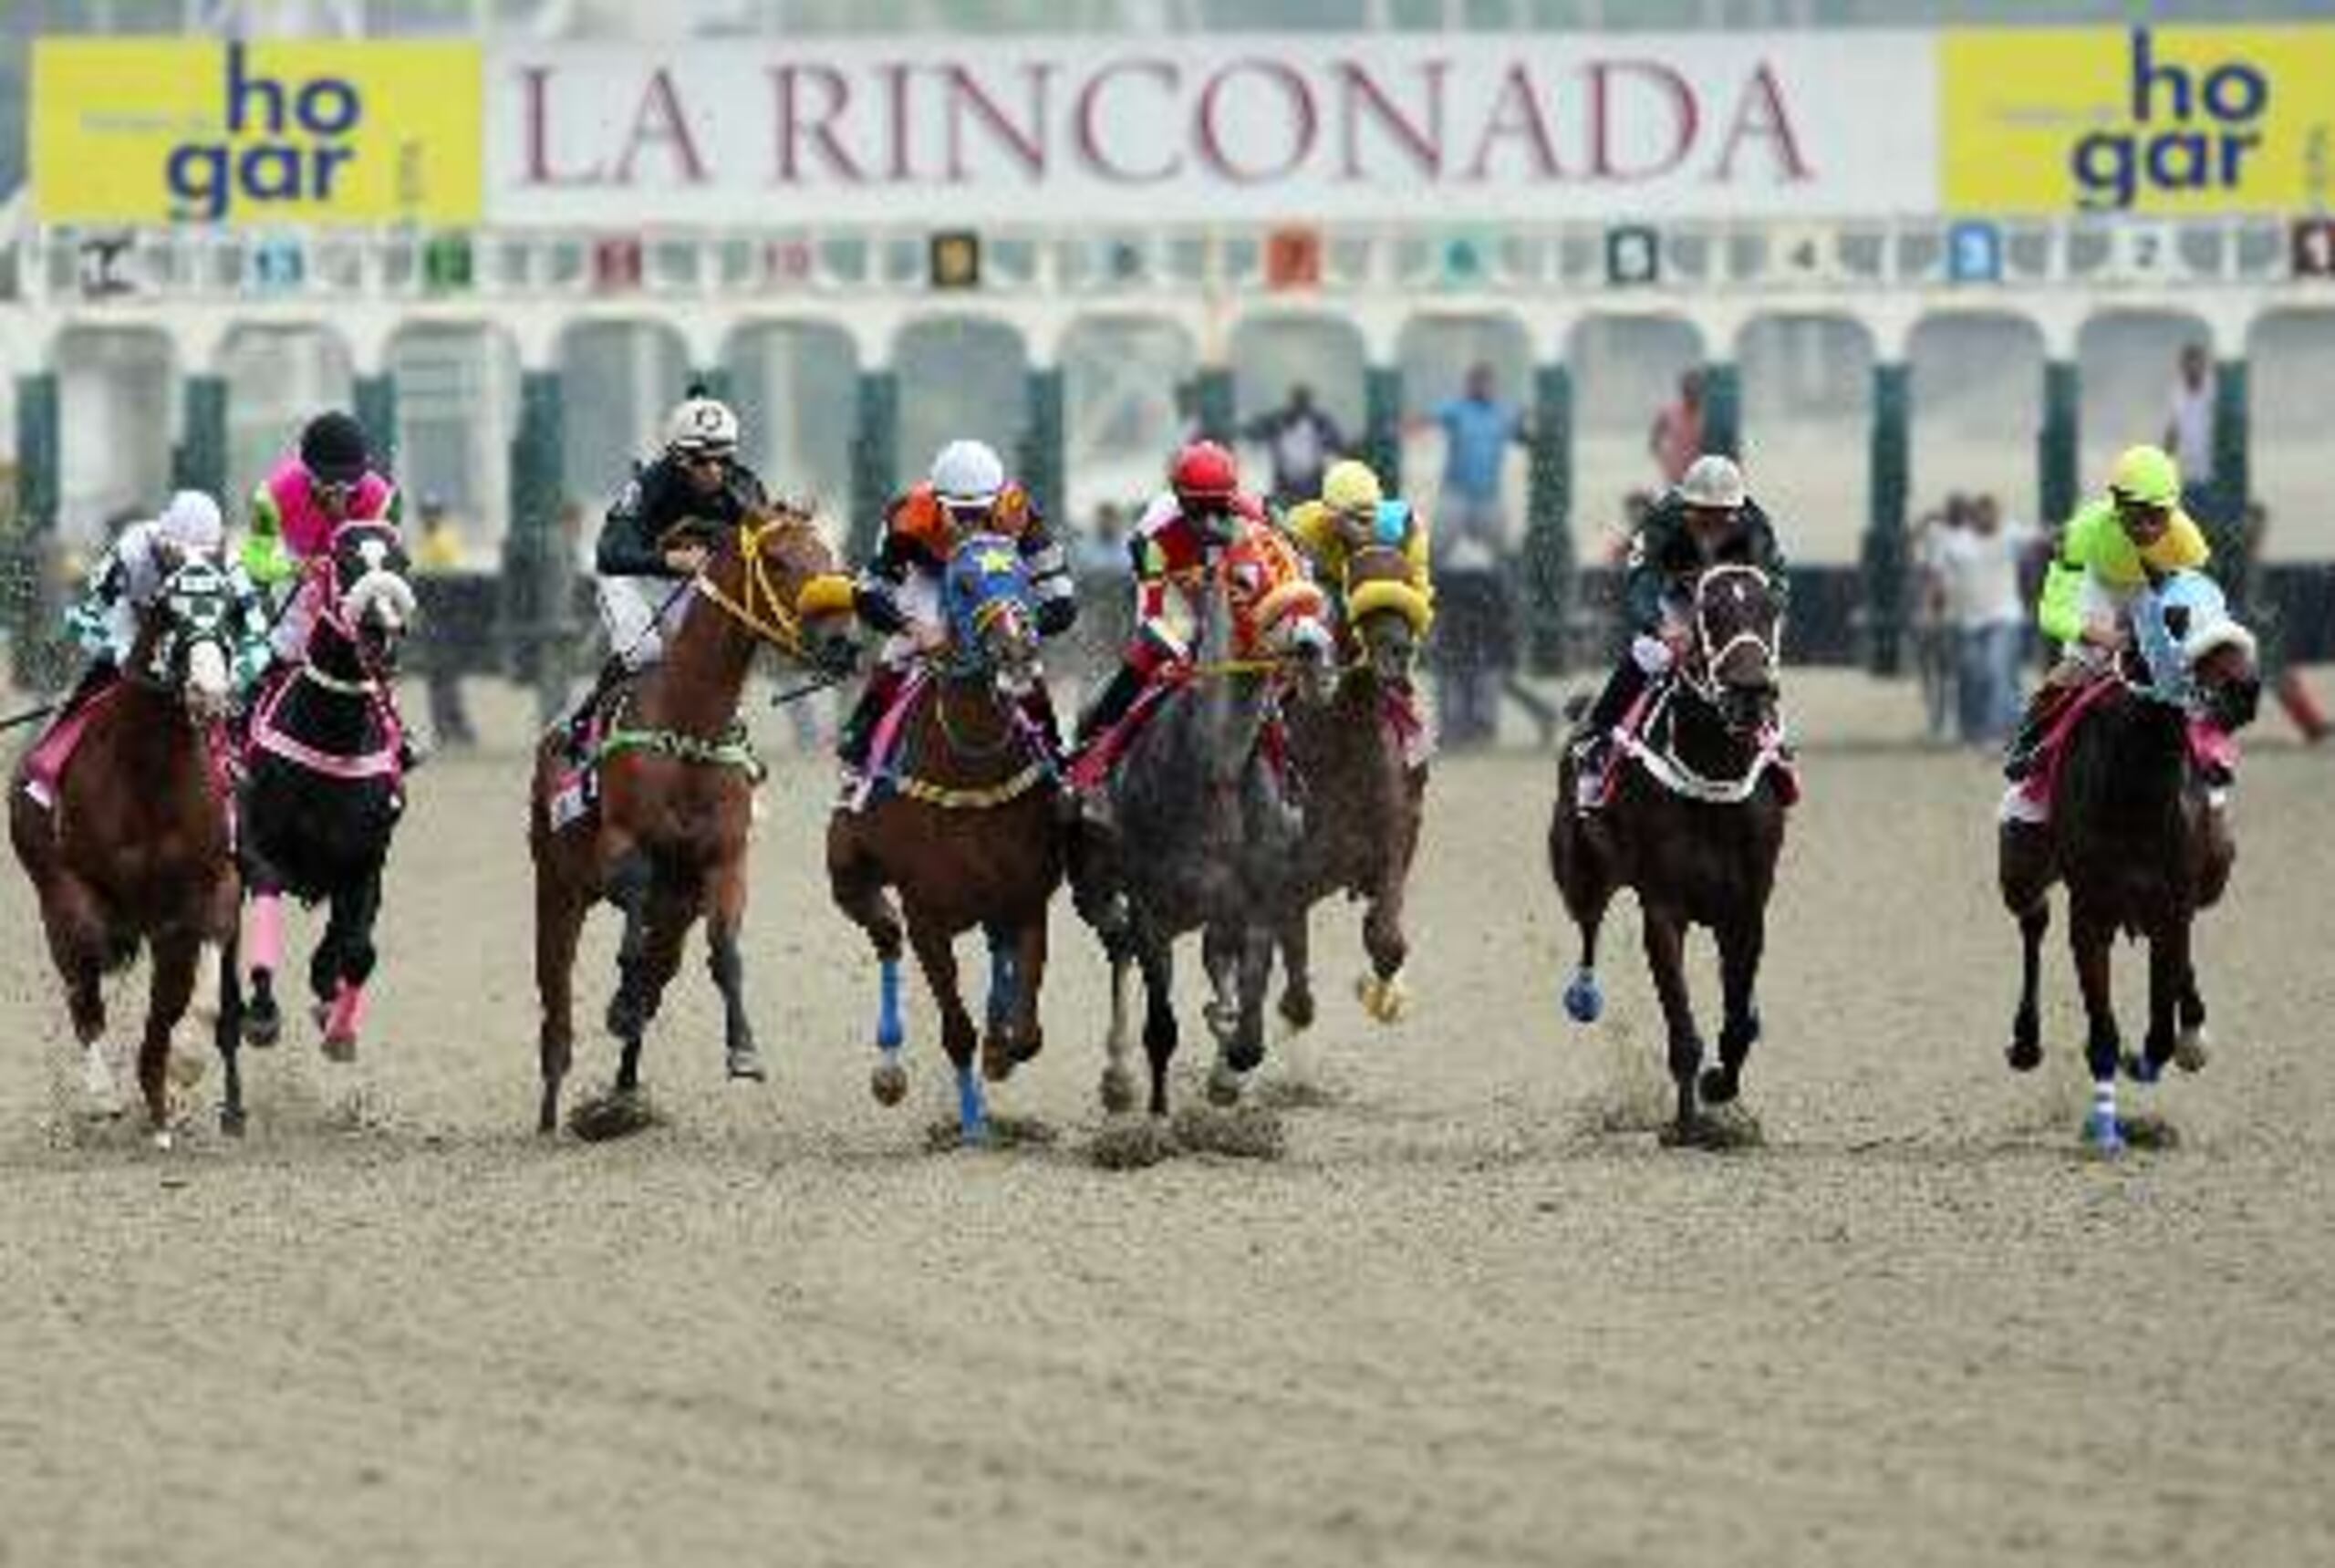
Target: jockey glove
{"points": [[1650, 654]]}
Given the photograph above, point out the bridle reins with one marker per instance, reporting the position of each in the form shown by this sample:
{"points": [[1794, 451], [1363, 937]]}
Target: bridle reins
{"points": [[780, 624]]}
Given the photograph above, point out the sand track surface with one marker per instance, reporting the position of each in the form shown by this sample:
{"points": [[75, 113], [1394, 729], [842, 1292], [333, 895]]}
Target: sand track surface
{"points": [[1470, 1313]]}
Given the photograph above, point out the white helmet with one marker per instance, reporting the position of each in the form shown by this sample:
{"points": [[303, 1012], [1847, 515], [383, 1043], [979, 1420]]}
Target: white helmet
{"points": [[190, 523], [967, 473], [702, 424], [1713, 481]]}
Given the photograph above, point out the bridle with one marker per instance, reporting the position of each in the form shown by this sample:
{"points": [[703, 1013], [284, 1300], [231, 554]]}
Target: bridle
{"points": [[1701, 672], [780, 624]]}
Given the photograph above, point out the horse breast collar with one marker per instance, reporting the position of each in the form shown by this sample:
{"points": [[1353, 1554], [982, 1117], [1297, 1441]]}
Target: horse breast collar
{"points": [[1653, 742]]}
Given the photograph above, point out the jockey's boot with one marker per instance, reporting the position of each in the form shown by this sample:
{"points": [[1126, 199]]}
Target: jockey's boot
{"points": [[1593, 739], [1110, 704], [577, 726], [2026, 747]]}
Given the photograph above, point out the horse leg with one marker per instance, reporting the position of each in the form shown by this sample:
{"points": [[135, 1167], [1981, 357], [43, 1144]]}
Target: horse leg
{"points": [[559, 921], [936, 953], [1156, 956], [227, 1032], [665, 915], [629, 879], [174, 954], [1247, 1052], [1297, 963], [1029, 964], [2024, 872], [2168, 979], [1002, 1007], [2191, 1047], [856, 883], [725, 914], [344, 962], [76, 933], [2090, 936], [1666, 956], [1586, 899], [1740, 945], [1118, 1078], [1382, 991], [264, 934]]}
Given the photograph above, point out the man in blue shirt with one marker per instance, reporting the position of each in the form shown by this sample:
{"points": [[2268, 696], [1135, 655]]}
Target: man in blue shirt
{"points": [[1476, 638]]}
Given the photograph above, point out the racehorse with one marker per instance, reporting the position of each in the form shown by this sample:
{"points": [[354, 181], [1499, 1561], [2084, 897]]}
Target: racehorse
{"points": [[969, 832], [324, 786], [137, 845], [656, 823], [1694, 823], [1360, 760], [1205, 826], [2137, 831]]}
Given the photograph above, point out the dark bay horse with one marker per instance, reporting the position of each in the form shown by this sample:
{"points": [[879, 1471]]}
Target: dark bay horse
{"points": [[971, 834], [137, 845], [1205, 831], [1364, 795], [2137, 831], [664, 840], [324, 786], [1694, 825]]}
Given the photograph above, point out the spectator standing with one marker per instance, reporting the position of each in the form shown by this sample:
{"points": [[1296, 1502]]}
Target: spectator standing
{"points": [[2189, 433], [1475, 649], [1934, 648], [1978, 571], [1302, 441], [1677, 437], [2249, 601], [438, 553]]}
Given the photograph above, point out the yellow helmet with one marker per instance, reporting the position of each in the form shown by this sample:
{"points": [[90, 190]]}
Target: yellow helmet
{"points": [[2148, 475], [1350, 487]]}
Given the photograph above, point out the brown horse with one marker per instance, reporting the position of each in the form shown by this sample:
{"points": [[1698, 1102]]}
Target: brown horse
{"points": [[2137, 832], [1695, 825], [137, 845], [1363, 796], [971, 834], [665, 841]]}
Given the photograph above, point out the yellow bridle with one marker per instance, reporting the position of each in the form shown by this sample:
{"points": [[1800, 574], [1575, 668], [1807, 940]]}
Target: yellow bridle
{"points": [[823, 594]]}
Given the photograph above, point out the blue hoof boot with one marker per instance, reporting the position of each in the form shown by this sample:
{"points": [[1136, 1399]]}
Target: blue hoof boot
{"points": [[2104, 1132], [1584, 1002]]}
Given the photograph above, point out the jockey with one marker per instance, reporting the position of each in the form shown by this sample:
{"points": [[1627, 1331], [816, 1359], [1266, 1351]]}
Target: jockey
{"points": [[330, 480], [2115, 546], [1355, 512], [129, 576], [899, 591], [1707, 518], [1202, 511], [655, 537]]}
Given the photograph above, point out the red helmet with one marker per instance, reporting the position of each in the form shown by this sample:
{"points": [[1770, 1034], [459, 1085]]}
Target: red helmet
{"points": [[1204, 472]]}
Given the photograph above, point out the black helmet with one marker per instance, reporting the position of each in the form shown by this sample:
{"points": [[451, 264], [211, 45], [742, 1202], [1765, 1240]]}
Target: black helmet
{"points": [[332, 447]]}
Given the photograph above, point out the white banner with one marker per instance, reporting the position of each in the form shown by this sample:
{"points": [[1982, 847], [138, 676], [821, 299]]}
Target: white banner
{"points": [[1390, 127]]}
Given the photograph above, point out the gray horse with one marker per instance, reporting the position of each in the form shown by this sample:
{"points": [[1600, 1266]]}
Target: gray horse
{"points": [[1205, 836]]}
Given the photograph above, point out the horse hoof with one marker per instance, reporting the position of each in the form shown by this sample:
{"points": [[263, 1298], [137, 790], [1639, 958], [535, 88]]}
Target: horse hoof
{"points": [[1384, 1000], [1297, 1010], [2103, 1133], [341, 1048], [746, 1067], [888, 1083], [1222, 1021], [623, 1020], [231, 1121], [2141, 1068], [996, 1058], [97, 1080], [165, 1140], [1223, 1086], [1118, 1090], [1585, 1000], [1718, 1085], [619, 1112], [2024, 1055], [2192, 1049], [262, 1025]]}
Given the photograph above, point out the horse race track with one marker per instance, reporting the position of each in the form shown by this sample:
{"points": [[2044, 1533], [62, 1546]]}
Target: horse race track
{"points": [[1471, 1314]]}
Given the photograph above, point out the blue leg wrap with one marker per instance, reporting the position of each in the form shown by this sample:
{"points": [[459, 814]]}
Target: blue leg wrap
{"points": [[889, 1031], [1003, 979], [1585, 1001], [972, 1111]]}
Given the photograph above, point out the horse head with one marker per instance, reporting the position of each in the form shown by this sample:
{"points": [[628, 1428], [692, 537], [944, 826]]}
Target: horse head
{"points": [[777, 577], [1738, 645], [1386, 612], [188, 646], [369, 592], [992, 624], [1279, 619], [2197, 654]]}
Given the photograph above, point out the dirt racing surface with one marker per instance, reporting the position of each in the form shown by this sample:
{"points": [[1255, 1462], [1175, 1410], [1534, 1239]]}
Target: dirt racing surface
{"points": [[1465, 1309]]}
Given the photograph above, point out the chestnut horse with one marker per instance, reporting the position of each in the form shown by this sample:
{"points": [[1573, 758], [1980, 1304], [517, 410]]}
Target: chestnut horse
{"points": [[968, 831], [665, 838], [137, 845], [2138, 832], [1694, 824], [1364, 794], [324, 788]]}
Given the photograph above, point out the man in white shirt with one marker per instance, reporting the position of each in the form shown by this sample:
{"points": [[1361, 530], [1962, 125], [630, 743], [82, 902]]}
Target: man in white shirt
{"points": [[2189, 426], [1977, 566]]}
